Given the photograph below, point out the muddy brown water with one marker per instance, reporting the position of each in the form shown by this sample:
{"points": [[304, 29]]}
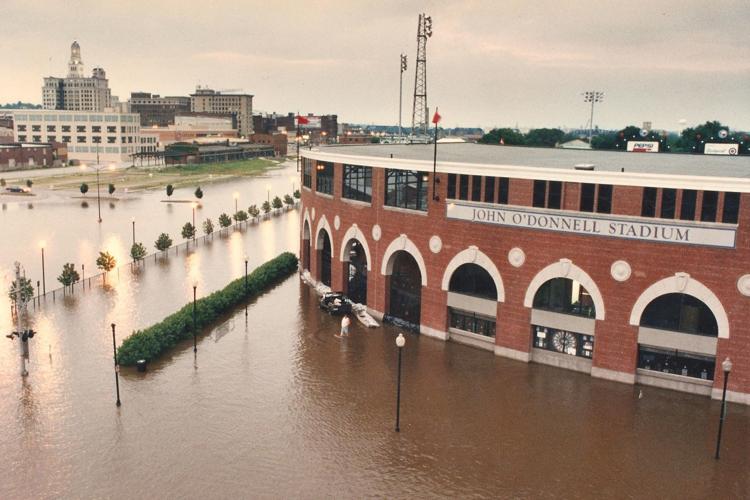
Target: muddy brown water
{"points": [[274, 405]]}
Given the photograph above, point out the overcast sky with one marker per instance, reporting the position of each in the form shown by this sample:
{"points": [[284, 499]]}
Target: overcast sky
{"points": [[490, 63]]}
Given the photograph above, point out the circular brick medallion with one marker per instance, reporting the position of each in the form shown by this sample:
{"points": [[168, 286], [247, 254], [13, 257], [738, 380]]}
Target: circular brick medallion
{"points": [[516, 257], [376, 232], [620, 270], [336, 222], [743, 285], [436, 244]]}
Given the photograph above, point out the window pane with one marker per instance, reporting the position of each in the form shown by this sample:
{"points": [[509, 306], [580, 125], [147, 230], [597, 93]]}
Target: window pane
{"points": [[676, 362], [687, 207], [668, 198], [476, 188], [357, 183], [489, 189], [463, 189], [406, 189], [472, 279], [731, 208], [540, 193], [587, 197], [451, 186], [709, 206], [604, 199], [680, 313], [555, 194], [324, 177], [565, 296], [503, 194], [648, 207]]}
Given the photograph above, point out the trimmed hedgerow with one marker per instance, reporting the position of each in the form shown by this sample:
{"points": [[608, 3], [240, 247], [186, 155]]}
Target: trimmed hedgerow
{"points": [[153, 341]]}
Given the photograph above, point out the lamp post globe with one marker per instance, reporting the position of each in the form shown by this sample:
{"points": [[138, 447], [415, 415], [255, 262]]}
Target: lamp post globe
{"points": [[400, 340]]}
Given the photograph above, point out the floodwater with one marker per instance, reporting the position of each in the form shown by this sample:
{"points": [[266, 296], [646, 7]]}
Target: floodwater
{"points": [[273, 405]]}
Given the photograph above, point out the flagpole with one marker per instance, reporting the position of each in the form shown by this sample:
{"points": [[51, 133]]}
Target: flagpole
{"points": [[434, 157], [297, 141]]}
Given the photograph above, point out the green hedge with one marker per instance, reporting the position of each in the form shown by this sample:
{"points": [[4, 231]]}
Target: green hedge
{"points": [[150, 343]]}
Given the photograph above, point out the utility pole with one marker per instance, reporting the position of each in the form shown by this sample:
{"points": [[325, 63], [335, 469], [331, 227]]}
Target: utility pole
{"points": [[592, 96], [401, 92], [419, 120]]}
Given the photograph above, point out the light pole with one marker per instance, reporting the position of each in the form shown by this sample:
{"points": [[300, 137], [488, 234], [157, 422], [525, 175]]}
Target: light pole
{"points": [[236, 197], [245, 285], [401, 91], [592, 96], [194, 205], [195, 291], [132, 220], [400, 342], [268, 190], [726, 365], [117, 366], [44, 281]]}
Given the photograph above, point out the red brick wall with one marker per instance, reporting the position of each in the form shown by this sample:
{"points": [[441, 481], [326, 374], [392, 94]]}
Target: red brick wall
{"points": [[616, 339]]}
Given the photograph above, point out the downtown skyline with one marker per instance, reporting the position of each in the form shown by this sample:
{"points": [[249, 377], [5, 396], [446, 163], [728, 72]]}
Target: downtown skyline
{"points": [[488, 65]]}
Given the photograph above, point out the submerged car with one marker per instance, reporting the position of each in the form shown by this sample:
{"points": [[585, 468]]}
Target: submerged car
{"points": [[335, 303]]}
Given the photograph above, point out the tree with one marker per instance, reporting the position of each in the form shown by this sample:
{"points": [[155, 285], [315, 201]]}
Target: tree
{"points": [[199, 193], [2, 183], [163, 242], [297, 194], [170, 190], [137, 251], [253, 211], [276, 203], [27, 290], [208, 226], [111, 189], [84, 188], [240, 216], [266, 207], [288, 200], [106, 262], [544, 137], [69, 275], [29, 183], [188, 231], [694, 139], [224, 220], [507, 136]]}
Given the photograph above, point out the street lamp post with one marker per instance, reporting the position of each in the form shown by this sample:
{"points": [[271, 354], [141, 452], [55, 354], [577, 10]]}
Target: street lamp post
{"points": [[236, 197], [132, 219], [195, 291], [117, 365], [726, 366], [400, 342], [268, 190], [246, 285], [194, 230], [44, 281]]}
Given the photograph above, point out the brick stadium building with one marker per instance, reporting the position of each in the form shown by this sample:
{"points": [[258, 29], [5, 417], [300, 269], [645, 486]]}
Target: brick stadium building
{"points": [[630, 267]]}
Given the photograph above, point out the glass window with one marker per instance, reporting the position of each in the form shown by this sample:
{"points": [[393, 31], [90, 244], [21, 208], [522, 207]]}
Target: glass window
{"points": [[111, 140], [503, 191], [680, 312], [66, 128], [604, 199], [677, 362], [554, 198], [565, 296], [563, 341], [540, 194], [687, 206], [648, 206], [307, 167], [668, 199], [324, 177], [587, 197], [21, 138], [489, 190], [471, 322], [51, 128], [709, 206], [36, 128], [476, 188], [463, 188], [357, 183], [406, 189], [22, 128], [81, 138], [80, 128], [451, 186], [731, 212], [472, 279], [66, 139]]}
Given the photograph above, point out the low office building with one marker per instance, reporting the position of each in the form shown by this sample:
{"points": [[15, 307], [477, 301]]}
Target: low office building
{"points": [[108, 136], [156, 110], [19, 156], [633, 268], [187, 153], [278, 141]]}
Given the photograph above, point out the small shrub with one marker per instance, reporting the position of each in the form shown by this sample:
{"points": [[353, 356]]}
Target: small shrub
{"points": [[163, 242], [84, 188]]}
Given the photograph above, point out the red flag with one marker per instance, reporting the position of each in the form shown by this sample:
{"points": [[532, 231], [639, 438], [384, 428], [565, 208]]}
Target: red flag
{"points": [[436, 117], [302, 120]]}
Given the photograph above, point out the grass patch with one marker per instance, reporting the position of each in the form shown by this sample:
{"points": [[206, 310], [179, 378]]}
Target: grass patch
{"points": [[153, 341], [240, 167]]}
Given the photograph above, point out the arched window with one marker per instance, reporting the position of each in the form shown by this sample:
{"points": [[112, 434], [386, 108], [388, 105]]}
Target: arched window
{"points": [[680, 312], [565, 296], [471, 279]]}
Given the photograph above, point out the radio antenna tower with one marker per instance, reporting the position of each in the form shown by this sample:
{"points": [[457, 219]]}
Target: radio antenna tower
{"points": [[419, 119]]}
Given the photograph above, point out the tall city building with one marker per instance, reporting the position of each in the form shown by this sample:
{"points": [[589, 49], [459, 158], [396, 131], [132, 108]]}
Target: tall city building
{"points": [[156, 110], [77, 92], [206, 100]]}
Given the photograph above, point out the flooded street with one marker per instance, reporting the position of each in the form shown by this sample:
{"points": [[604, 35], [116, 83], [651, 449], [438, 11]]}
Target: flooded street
{"points": [[273, 405]]}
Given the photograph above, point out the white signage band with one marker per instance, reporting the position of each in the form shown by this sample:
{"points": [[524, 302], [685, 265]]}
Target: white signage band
{"points": [[595, 225]]}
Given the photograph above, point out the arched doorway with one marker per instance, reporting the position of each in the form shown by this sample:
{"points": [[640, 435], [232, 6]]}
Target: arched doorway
{"points": [[356, 272], [324, 262], [678, 335], [405, 297], [306, 246]]}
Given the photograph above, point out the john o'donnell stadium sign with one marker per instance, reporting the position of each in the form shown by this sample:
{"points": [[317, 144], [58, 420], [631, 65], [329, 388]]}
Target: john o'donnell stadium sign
{"points": [[596, 225]]}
